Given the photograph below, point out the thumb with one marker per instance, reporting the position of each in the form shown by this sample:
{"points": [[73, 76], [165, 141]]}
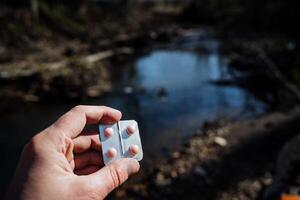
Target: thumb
{"points": [[113, 175]]}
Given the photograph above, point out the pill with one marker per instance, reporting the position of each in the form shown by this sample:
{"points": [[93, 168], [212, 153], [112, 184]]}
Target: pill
{"points": [[133, 149], [130, 129], [111, 152], [120, 140], [108, 132]]}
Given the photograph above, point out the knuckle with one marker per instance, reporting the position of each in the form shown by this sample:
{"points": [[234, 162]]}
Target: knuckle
{"points": [[116, 175], [103, 108], [33, 144], [77, 108]]}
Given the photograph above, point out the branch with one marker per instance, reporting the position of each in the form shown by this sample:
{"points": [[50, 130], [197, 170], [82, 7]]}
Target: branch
{"points": [[276, 72]]}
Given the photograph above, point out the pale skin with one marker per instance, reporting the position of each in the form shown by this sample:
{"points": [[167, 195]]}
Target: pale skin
{"points": [[64, 162]]}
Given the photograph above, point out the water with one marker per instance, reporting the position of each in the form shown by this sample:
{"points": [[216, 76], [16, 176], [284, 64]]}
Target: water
{"points": [[179, 96], [170, 93]]}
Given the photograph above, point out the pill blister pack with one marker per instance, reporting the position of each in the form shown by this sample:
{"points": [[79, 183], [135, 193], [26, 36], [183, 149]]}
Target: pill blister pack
{"points": [[120, 140]]}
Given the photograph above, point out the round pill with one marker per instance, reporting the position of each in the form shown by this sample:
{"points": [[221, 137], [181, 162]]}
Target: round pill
{"points": [[131, 129], [111, 152], [133, 149], [108, 132]]}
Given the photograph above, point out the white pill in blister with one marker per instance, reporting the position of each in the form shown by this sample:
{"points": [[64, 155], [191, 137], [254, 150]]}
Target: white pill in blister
{"points": [[120, 140], [133, 150], [111, 153], [130, 129], [108, 132]]}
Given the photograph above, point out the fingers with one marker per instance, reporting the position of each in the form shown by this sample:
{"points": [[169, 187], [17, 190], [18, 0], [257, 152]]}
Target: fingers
{"points": [[87, 158], [87, 140], [113, 175], [73, 122]]}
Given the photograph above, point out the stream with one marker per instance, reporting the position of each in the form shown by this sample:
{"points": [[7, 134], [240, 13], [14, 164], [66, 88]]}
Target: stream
{"points": [[170, 91]]}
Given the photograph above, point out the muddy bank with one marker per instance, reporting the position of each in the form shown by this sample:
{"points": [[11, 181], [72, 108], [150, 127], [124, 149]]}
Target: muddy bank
{"points": [[222, 161], [52, 65]]}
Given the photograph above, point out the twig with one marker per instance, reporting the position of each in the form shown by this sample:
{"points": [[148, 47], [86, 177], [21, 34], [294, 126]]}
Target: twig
{"points": [[93, 58], [98, 56], [276, 72]]}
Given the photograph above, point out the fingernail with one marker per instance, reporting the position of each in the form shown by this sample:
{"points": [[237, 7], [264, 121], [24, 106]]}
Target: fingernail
{"points": [[117, 111]]}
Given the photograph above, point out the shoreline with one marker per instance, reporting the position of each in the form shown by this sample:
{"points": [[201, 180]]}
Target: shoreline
{"points": [[222, 161]]}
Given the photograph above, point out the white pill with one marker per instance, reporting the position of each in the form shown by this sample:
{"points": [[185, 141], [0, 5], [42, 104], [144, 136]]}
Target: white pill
{"points": [[108, 132], [133, 149], [131, 129], [111, 152]]}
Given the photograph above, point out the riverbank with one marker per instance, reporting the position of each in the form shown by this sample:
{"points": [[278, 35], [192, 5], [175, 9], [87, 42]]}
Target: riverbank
{"points": [[91, 42], [222, 161], [62, 60], [59, 62]]}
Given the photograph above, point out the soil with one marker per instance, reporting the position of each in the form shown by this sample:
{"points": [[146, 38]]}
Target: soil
{"points": [[222, 161], [53, 65]]}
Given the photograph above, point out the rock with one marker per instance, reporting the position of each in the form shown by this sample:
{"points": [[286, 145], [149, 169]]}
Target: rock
{"points": [[173, 174], [175, 155], [221, 131], [162, 93], [31, 98], [220, 141], [200, 171], [93, 92], [128, 90], [161, 180], [120, 193], [291, 46], [181, 170], [4, 75]]}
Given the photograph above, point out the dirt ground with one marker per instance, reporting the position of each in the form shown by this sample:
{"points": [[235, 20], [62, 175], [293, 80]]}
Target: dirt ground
{"points": [[222, 161]]}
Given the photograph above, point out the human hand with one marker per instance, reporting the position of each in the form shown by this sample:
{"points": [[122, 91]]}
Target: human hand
{"points": [[64, 162]]}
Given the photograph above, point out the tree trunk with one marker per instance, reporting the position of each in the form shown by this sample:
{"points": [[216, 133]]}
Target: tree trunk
{"points": [[35, 9]]}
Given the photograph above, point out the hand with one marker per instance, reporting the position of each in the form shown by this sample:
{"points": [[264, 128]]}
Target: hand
{"points": [[64, 162]]}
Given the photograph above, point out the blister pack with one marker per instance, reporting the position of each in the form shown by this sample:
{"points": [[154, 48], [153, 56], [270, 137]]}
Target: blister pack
{"points": [[120, 140]]}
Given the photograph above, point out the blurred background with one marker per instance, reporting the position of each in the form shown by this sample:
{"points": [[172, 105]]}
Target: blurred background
{"points": [[213, 84]]}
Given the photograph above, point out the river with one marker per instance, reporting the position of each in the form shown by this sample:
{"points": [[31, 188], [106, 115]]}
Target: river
{"points": [[170, 91]]}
